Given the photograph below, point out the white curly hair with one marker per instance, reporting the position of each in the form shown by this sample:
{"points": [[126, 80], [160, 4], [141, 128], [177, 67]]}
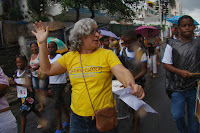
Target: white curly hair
{"points": [[81, 28]]}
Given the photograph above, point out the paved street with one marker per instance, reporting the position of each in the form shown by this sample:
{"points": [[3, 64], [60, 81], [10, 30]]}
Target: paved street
{"points": [[32, 119], [151, 123], [157, 98]]}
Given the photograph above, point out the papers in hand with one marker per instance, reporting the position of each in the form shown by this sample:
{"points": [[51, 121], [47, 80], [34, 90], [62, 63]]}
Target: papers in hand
{"points": [[129, 99]]}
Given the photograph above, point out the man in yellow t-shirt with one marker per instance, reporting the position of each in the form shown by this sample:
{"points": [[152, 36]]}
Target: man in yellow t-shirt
{"points": [[97, 72]]}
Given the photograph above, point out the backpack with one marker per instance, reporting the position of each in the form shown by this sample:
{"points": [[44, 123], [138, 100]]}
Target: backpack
{"points": [[151, 49], [125, 60]]}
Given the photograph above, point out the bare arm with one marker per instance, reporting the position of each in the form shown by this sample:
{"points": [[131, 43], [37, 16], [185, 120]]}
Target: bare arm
{"points": [[143, 71], [183, 73], [126, 78], [155, 43], [3, 89], [55, 69], [45, 66], [123, 75], [161, 45], [3, 83], [159, 41]]}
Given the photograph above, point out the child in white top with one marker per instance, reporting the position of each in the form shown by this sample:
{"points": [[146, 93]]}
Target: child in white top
{"points": [[22, 80], [57, 84]]}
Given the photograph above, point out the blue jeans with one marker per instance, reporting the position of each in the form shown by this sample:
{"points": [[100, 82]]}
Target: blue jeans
{"points": [[179, 99], [80, 124]]}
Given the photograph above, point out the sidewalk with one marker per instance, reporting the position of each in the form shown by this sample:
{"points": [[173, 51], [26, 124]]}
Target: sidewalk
{"points": [[11, 95]]}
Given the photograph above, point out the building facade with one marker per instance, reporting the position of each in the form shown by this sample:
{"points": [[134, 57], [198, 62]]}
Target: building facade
{"points": [[177, 10]]}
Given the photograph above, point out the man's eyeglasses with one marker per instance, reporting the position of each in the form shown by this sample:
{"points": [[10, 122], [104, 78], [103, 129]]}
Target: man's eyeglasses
{"points": [[94, 31]]}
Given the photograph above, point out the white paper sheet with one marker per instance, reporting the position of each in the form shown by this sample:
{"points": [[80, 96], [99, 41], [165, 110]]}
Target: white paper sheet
{"points": [[129, 99], [21, 91], [116, 85]]}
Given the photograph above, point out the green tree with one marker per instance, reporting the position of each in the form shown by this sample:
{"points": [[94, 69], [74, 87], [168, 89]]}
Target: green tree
{"points": [[117, 8], [114, 7], [37, 9], [75, 4], [92, 5]]}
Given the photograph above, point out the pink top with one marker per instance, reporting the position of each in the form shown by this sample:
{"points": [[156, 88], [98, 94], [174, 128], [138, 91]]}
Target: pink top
{"points": [[34, 63], [3, 80]]}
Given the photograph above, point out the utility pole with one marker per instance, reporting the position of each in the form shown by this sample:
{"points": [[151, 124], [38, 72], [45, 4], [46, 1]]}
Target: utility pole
{"points": [[160, 14]]}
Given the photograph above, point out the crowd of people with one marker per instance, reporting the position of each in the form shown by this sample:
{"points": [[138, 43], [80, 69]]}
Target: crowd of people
{"points": [[28, 80], [92, 63]]}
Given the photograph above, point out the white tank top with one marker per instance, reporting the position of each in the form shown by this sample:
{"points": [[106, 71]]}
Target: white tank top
{"points": [[34, 63]]}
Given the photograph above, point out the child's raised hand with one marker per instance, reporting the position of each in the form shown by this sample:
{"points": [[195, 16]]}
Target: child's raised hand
{"points": [[41, 32]]}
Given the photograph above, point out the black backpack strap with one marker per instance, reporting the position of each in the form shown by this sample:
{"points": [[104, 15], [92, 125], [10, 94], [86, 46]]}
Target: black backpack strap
{"points": [[125, 60]]}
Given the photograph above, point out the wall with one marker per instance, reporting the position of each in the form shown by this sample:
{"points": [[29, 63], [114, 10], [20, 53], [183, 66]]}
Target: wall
{"points": [[12, 31], [7, 59]]}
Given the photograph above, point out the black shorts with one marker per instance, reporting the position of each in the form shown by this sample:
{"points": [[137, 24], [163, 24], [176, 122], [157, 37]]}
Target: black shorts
{"points": [[58, 90]]}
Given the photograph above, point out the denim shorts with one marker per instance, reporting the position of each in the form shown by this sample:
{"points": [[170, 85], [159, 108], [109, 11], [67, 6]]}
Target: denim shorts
{"points": [[80, 124], [40, 84]]}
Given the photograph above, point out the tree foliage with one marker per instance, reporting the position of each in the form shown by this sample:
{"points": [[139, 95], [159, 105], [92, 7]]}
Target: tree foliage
{"points": [[37, 9], [114, 7], [75, 4], [92, 5], [117, 8]]}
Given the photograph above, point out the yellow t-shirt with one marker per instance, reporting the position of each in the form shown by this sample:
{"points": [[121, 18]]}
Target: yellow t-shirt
{"points": [[97, 72]]}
